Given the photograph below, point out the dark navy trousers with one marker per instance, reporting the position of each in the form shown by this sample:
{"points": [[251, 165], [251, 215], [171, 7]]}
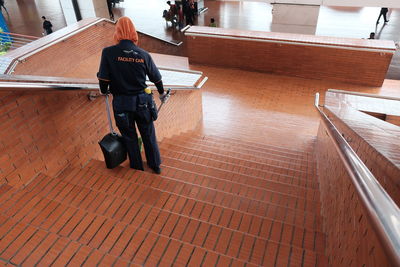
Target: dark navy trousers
{"points": [[126, 124]]}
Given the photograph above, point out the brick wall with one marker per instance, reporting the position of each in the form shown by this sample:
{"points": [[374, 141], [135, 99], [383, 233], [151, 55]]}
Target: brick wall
{"points": [[308, 61], [44, 132], [155, 45], [351, 241], [381, 167], [71, 56]]}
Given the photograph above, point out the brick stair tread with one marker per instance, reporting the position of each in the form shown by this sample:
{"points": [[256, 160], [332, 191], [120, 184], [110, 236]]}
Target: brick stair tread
{"points": [[246, 143], [242, 162], [88, 223], [291, 193], [252, 156], [280, 184], [85, 229], [228, 200], [188, 217], [246, 151], [145, 178], [28, 245], [229, 167], [268, 182]]}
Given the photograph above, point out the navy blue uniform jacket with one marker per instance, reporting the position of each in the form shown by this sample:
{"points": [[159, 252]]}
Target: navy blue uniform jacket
{"points": [[125, 67]]}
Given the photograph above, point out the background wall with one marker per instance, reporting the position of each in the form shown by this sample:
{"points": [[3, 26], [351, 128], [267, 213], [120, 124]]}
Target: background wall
{"points": [[282, 57]]}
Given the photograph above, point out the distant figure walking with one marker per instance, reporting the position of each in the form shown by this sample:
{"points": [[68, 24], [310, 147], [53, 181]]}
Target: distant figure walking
{"points": [[188, 11], [110, 7], [2, 6], [47, 26], [384, 11]]}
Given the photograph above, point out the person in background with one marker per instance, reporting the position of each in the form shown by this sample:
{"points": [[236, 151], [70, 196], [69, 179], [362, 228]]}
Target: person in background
{"points": [[173, 10], [372, 35], [192, 8], [384, 11], [47, 26], [188, 11], [110, 7], [212, 23], [3, 7], [123, 70], [181, 17]]}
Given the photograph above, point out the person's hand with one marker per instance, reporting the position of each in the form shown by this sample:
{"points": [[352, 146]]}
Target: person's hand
{"points": [[164, 97]]}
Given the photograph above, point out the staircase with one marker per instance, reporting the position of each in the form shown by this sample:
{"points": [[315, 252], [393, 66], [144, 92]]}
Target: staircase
{"points": [[218, 202]]}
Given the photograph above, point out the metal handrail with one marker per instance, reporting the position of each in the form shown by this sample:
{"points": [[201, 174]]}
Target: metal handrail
{"points": [[20, 35], [9, 84], [363, 94], [43, 86], [381, 209]]}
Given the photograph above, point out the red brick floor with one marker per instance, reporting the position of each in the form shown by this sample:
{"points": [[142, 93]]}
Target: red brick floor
{"points": [[240, 190]]}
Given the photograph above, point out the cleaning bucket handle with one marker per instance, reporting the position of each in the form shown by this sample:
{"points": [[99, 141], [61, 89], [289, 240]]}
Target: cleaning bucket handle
{"points": [[109, 115]]}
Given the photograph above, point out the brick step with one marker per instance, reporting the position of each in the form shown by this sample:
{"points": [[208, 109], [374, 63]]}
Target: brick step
{"points": [[250, 152], [223, 164], [286, 195], [265, 180], [230, 163], [99, 232], [262, 137], [300, 154], [86, 225], [262, 182], [247, 185], [218, 200], [27, 245], [110, 197], [4, 188], [247, 157], [32, 246], [211, 196]]}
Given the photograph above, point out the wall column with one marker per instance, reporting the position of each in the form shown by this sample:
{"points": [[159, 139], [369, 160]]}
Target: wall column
{"points": [[83, 9], [295, 18]]}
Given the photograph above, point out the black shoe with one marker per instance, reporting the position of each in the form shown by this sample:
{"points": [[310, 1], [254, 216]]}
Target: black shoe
{"points": [[156, 170]]}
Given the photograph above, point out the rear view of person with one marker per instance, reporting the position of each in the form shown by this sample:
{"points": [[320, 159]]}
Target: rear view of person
{"points": [[47, 26], [123, 70]]}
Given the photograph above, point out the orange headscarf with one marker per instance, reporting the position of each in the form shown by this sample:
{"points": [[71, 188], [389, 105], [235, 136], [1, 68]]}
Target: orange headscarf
{"points": [[125, 30]]}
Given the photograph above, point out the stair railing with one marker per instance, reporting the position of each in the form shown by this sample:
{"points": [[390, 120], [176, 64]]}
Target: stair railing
{"points": [[44, 83], [364, 94], [15, 40], [37, 83], [381, 209]]}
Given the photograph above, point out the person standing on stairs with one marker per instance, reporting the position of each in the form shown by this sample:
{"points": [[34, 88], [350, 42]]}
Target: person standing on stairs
{"points": [[123, 70]]}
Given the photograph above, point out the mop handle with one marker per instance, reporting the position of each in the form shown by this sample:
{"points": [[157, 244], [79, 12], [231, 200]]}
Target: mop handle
{"points": [[109, 115]]}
